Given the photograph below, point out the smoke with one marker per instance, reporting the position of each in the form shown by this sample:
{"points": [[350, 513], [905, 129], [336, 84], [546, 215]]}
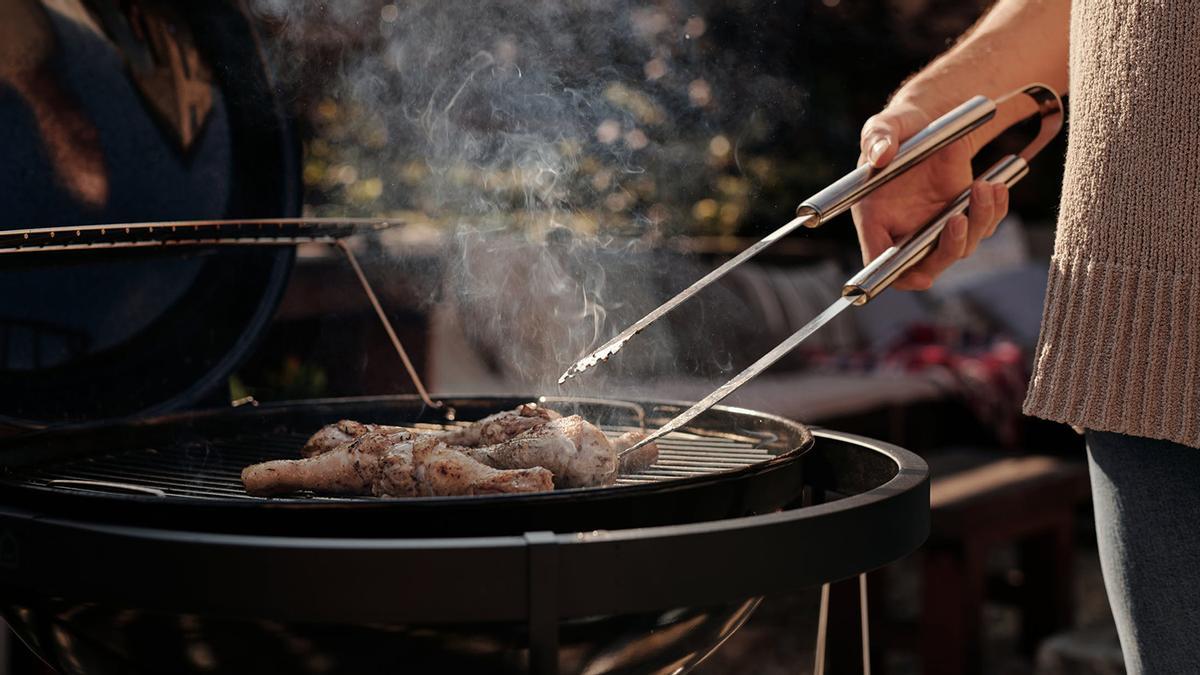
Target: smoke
{"points": [[557, 141]]}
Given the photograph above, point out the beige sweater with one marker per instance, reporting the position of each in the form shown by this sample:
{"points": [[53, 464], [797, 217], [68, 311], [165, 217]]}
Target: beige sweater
{"points": [[1120, 343]]}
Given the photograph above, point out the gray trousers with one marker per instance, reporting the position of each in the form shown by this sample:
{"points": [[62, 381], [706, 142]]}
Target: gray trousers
{"points": [[1147, 500]]}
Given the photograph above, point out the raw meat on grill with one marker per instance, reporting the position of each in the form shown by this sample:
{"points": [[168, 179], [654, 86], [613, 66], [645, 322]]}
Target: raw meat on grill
{"points": [[527, 449], [430, 468], [350, 469], [638, 460], [501, 426], [395, 477], [487, 431], [575, 451], [391, 463], [331, 436]]}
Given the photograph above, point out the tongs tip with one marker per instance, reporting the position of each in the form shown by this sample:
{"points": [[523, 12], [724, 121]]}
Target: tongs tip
{"points": [[593, 359]]}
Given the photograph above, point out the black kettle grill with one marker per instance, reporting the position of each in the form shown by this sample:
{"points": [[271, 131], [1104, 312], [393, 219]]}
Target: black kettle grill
{"points": [[131, 547]]}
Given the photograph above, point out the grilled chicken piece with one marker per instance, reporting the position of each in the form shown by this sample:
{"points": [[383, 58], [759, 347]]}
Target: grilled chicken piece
{"points": [[575, 451], [529, 449], [331, 436], [638, 460], [487, 431], [351, 469], [501, 426], [395, 477], [391, 464], [430, 468]]}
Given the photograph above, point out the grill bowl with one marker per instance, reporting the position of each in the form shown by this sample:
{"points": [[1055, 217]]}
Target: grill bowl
{"points": [[95, 592], [183, 471]]}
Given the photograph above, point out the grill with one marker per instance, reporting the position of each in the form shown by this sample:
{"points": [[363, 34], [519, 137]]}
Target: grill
{"points": [[128, 545], [649, 575]]}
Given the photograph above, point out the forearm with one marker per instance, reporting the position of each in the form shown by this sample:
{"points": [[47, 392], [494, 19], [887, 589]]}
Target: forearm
{"points": [[1017, 42]]}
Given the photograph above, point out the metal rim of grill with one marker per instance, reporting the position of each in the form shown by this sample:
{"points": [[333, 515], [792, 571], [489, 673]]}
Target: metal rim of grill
{"points": [[880, 513]]}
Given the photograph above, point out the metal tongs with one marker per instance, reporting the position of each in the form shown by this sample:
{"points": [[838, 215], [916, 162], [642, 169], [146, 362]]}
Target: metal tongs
{"points": [[837, 199]]}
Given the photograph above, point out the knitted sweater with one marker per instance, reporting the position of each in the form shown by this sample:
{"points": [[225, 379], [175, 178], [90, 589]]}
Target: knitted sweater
{"points": [[1120, 343]]}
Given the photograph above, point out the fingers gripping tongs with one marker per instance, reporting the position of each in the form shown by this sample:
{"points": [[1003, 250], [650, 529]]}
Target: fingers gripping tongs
{"points": [[836, 199]]}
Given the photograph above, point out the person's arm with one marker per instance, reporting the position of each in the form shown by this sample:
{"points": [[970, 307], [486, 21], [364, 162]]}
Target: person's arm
{"points": [[1016, 43]]}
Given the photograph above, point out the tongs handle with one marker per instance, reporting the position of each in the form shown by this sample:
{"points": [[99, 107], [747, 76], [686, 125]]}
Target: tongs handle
{"points": [[848, 189], [898, 259]]}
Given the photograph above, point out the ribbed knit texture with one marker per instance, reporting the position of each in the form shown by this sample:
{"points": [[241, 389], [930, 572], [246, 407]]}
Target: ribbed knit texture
{"points": [[1120, 343]]}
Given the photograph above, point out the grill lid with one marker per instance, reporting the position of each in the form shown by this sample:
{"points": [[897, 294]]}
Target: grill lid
{"points": [[87, 335]]}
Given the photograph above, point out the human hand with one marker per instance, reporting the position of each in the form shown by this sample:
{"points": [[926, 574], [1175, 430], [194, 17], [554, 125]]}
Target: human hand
{"points": [[907, 202]]}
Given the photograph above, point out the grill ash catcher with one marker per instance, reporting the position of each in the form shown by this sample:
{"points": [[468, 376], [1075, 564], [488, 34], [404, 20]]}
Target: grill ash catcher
{"points": [[837, 199]]}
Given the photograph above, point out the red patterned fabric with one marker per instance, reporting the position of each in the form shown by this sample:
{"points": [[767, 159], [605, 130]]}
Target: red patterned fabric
{"points": [[989, 373]]}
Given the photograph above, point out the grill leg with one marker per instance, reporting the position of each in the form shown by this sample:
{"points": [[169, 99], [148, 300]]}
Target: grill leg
{"points": [[864, 618], [848, 635], [822, 631]]}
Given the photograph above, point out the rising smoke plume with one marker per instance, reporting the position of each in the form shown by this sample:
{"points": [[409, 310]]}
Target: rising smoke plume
{"points": [[559, 141]]}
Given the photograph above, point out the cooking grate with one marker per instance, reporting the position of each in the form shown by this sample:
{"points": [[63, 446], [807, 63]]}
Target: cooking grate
{"points": [[212, 469]]}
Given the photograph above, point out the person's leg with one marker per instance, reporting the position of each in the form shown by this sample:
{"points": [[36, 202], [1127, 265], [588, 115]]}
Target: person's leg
{"points": [[1147, 501]]}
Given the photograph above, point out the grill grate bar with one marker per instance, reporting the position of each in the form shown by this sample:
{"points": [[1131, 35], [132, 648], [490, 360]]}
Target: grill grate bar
{"points": [[708, 464], [160, 482], [694, 456], [231, 478], [211, 471], [209, 467], [678, 473], [180, 478]]}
